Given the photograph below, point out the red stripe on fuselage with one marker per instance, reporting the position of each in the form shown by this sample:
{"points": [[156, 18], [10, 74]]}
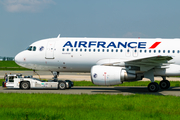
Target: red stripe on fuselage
{"points": [[155, 45]]}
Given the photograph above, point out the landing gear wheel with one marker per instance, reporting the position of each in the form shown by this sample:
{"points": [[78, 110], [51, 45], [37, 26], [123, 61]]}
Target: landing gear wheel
{"points": [[62, 85], [164, 84], [153, 87], [3, 84], [25, 85], [70, 84]]}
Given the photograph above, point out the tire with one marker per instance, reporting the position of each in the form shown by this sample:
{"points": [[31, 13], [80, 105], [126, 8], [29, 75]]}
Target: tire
{"points": [[153, 87], [164, 84], [70, 84], [25, 85], [3, 84], [62, 85]]}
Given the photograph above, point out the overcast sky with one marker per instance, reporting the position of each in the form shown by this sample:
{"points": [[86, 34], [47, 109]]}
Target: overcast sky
{"points": [[23, 22]]}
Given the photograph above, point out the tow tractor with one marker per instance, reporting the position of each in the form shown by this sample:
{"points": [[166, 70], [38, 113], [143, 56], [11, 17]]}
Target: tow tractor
{"points": [[28, 82]]}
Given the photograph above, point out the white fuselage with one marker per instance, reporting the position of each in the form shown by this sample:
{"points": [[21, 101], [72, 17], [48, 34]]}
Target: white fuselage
{"points": [[80, 54]]}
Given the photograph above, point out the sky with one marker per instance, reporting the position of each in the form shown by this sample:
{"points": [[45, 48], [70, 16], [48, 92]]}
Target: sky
{"points": [[23, 22]]}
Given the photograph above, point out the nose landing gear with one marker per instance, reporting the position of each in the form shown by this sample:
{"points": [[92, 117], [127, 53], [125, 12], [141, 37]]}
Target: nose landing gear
{"points": [[67, 84], [55, 74]]}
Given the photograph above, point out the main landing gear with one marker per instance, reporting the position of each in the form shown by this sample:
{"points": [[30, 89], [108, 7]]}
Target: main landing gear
{"points": [[154, 87]]}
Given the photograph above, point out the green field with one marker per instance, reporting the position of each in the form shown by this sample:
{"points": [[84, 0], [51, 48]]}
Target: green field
{"points": [[10, 65], [90, 107]]}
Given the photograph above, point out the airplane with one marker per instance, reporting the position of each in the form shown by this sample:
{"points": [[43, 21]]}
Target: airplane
{"points": [[110, 61]]}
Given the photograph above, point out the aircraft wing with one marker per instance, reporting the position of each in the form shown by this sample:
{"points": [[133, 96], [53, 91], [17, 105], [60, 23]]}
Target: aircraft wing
{"points": [[145, 64], [149, 62], [153, 61]]}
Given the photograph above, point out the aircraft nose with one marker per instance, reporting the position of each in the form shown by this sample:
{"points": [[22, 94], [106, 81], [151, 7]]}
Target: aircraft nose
{"points": [[18, 59]]}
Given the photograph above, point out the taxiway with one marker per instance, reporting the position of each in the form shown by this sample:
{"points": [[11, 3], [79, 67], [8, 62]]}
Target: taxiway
{"points": [[175, 91]]}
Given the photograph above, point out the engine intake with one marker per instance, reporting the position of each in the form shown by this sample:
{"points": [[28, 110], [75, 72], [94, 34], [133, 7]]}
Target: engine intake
{"points": [[109, 75]]}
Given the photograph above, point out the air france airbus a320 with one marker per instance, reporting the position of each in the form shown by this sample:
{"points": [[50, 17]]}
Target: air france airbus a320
{"points": [[110, 61]]}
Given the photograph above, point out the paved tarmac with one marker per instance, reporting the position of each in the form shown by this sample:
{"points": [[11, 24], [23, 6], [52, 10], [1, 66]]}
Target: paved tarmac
{"points": [[74, 76], [174, 91]]}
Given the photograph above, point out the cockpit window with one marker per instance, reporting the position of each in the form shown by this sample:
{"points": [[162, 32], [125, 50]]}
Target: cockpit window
{"points": [[31, 48], [34, 48]]}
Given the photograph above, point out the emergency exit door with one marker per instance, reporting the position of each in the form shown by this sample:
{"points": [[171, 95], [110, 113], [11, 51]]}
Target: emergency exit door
{"points": [[50, 50]]}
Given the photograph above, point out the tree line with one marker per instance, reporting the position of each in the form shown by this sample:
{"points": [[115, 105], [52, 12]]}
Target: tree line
{"points": [[6, 59]]}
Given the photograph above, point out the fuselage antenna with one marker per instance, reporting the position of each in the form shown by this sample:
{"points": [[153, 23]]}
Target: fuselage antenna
{"points": [[59, 36]]}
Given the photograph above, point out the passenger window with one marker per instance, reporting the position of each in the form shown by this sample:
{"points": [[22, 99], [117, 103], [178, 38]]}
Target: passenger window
{"points": [[116, 50], [164, 51], [89, 50], [76, 49], [71, 49], [102, 50], [140, 50], [84, 50], [67, 49], [111, 50], [80, 50], [168, 51], [121, 50], [107, 50], [178, 51], [145, 51], [94, 50], [173, 51], [149, 51], [135, 51], [154, 51], [98, 50], [159, 51], [63, 49]]}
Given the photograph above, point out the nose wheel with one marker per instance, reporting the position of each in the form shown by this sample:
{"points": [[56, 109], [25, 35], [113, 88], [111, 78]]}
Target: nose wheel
{"points": [[55, 74]]}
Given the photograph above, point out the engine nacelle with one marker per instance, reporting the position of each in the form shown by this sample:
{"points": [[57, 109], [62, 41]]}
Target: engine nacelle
{"points": [[109, 75]]}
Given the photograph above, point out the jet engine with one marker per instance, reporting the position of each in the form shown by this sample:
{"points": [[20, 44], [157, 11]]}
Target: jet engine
{"points": [[109, 75]]}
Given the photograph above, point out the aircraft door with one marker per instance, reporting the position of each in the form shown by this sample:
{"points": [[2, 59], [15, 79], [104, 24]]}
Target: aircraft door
{"points": [[50, 50]]}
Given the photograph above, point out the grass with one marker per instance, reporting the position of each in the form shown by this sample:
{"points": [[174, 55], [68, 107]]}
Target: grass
{"points": [[10, 65], [1, 80], [66, 107]]}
